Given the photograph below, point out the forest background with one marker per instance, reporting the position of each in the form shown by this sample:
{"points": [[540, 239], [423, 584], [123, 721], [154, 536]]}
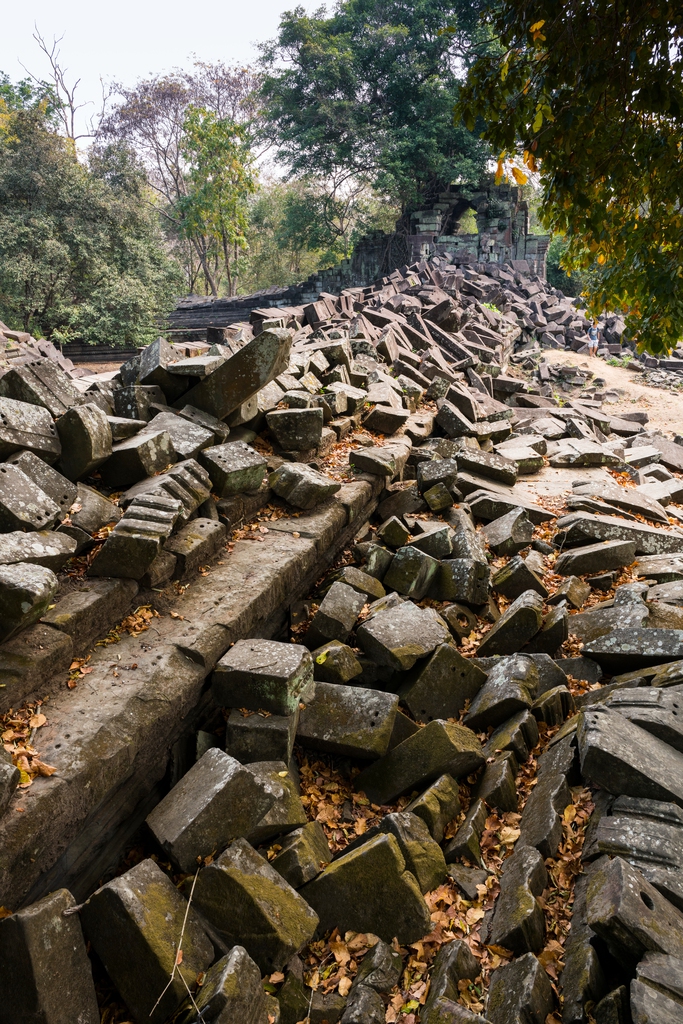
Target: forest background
{"points": [[221, 180]]}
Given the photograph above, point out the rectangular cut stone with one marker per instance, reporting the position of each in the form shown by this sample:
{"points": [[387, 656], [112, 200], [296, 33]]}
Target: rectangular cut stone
{"points": [[195, 544], [580, 528], [623, 650], [52, 550], [630, 915], [122, 428], [188, 439], [442, 685], [217, 801], [516, 626], [157, 367], [511, 686], [248, 903], [204, 419], [31, 662], [348, 720], [287, 811], [369, 890], [62, 491], [254, 737], [26, 591], [135, 401], [136, 540], [89, 612], [46, 974], [231, 992], [134, 923], [137, 458], [488, 464], [302, 486], [85, 436], [41, 382], [23, 505], [661, 568], [624, 759], [264, 675], [27, 426], [595, 558], [233, 467], [397, 637], [441, 748], [336, 615], [187, 482], [243, 375]]}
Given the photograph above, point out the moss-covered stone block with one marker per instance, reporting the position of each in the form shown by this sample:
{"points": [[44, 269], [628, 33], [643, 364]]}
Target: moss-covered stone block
{"points": [[134, 923], [250, 904], [369, 890]]}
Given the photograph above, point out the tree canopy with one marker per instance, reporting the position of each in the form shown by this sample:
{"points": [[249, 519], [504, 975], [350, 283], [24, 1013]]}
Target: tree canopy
{"points": [[176, 124], [81, 254], [367, 93], [590, 93], [219, 180]]}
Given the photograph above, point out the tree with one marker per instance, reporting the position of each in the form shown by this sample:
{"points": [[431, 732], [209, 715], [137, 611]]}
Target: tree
{"points": [[151, 117], [219, 179], [81, 254], [366, 95], [294, 230], [591, 93]]}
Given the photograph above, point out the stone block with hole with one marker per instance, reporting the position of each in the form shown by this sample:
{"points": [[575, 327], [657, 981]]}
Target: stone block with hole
{"points": [[233, 467], [349, 720], [30, 427], [195, 545], [23, 504]]}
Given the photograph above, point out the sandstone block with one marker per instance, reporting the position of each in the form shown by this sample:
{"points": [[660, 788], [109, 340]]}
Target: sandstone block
{"points": [[250, 904], [216, 801]]}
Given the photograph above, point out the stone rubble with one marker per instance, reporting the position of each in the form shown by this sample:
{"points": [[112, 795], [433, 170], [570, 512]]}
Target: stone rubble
{"points": [[456, 646]]}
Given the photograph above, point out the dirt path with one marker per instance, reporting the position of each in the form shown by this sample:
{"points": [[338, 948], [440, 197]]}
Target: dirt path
{"points": [[665, 408]]}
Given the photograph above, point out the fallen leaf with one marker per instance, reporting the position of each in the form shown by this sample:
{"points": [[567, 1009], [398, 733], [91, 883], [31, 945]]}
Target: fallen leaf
{"points": [[344, 986]]}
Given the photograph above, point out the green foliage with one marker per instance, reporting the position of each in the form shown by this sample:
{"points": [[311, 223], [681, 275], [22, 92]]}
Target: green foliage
{"points": [[151, 118], [297, 228], [591, 92], [367, 93], [80, 248], [219, 179], [573, 282]]}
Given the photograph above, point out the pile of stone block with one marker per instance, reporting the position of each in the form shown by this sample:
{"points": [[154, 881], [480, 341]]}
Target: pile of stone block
{"points": [[430, 661]]}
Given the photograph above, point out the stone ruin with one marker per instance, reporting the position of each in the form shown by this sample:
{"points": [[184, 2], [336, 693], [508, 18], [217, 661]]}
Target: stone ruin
{"points": [[502, 235], [317, 704]]}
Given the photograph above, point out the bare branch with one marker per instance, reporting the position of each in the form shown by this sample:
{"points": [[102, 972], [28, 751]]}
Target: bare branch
{"points": [[65, 93]]}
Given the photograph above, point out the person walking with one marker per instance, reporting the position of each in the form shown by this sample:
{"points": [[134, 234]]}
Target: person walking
{"points": [[593, 337]]}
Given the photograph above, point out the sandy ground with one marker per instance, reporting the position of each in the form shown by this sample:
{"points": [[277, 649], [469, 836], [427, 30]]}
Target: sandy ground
{"points": [[665, 408], [98, 367]]}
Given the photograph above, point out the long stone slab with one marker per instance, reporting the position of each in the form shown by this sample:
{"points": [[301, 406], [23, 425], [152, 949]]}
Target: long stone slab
{"points": [[582, 528], [111, 751], [626, 760], [241, 376]]}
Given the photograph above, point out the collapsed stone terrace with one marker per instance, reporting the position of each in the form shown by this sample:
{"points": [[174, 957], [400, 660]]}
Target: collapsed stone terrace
{"points": [[348, 631]]}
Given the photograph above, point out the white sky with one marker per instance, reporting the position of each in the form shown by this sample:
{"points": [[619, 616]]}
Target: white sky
{"points": [[127, 39]]}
